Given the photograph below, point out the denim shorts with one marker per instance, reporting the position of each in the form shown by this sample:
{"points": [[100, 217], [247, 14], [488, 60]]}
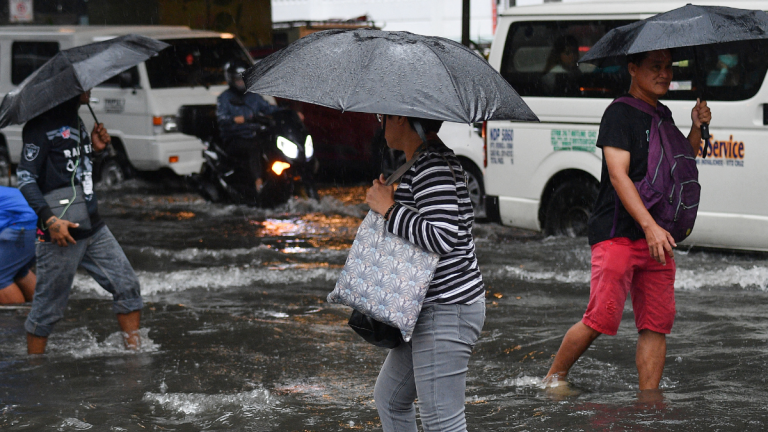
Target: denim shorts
{"points": [[102, 257], [17, 253]]}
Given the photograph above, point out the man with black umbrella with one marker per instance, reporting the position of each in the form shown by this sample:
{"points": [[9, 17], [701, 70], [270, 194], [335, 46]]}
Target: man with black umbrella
{"points": [[631, 253], [58, 154]]}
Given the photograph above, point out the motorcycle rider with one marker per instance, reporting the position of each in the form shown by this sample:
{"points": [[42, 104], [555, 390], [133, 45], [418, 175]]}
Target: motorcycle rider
{"points": [[237, 112]]}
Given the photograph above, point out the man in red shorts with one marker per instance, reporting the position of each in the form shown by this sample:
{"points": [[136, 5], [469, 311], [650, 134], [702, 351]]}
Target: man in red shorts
{"points": [[631, 253]]}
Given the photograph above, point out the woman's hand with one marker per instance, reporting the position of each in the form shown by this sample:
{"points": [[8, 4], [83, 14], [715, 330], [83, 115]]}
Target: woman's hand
{"points": [[380, 197]]}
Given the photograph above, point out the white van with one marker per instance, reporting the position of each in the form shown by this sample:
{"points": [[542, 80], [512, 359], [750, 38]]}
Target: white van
{"points": [[467, 143], [544, 176], [139, 106]]}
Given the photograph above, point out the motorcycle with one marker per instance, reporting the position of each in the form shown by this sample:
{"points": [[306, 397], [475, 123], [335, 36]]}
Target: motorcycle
{"points": [[286, 155]]}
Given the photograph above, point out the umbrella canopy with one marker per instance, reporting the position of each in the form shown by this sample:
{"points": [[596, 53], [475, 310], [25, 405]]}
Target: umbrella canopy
{"points": [[73, 71], [687, 26], [396, 73]]}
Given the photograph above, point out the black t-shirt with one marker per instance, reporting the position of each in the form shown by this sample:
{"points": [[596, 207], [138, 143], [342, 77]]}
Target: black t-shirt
{"points": [[52, 149], [626, 128]]}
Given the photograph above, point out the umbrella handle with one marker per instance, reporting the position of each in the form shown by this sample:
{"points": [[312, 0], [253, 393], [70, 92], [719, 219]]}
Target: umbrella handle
{"points": [[93, 113], [705, 136]]}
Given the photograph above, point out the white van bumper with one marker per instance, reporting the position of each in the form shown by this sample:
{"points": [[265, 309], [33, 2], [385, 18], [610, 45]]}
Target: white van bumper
{"points": [[181, 153]]}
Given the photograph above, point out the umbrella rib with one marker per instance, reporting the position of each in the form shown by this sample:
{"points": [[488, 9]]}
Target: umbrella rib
{"points": [[453, 82], [358, 79]]}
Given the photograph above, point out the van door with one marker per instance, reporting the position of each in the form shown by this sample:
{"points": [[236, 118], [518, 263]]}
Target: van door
{"points": [[121, 104]]}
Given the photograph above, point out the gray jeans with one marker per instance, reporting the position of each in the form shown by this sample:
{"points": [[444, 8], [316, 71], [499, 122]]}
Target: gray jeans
{"points": [[102, 257], [432, 367]]}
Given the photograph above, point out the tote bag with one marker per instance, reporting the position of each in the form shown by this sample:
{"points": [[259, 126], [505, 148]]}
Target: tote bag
{"points": [[385, 276]]}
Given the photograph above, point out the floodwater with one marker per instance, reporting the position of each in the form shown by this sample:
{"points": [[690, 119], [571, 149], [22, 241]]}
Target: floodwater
{"points": [[238, 336]]}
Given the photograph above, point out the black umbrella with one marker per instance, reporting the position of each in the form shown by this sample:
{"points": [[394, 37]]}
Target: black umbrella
{"points": [[689, 26], [396, 73], [72, 72]]}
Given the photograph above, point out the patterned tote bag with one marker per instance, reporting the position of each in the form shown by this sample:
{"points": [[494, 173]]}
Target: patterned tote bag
{"points": [[386, 277]]}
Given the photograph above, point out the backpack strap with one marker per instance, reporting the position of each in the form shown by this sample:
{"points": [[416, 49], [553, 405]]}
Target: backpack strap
{"points": [[658, 114]]}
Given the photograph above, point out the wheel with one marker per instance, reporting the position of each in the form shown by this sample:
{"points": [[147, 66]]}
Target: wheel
{"points": [[210, 192], [475, 187], [569, 209], [111, 172]]}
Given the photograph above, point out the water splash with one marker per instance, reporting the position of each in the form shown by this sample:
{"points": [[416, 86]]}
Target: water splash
{"points": [[196, 404], [216, 278], [731, 276], [81, 343], [74, 424]]}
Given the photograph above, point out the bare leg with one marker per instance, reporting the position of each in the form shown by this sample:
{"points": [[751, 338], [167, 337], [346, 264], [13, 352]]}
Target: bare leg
{"points": [[650, 358], [129, 324], [575, 343], [36, 344], [27, 285], [11, 295]]}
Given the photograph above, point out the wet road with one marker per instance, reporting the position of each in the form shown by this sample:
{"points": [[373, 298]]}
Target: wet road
{"points": [[238, 336]]}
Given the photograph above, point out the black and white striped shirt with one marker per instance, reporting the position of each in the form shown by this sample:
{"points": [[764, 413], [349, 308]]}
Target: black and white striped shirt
{"points": [[443, 224]]}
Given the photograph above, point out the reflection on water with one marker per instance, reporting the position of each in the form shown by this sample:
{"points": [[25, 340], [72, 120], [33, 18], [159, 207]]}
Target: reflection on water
{"points": [[238, 336]]}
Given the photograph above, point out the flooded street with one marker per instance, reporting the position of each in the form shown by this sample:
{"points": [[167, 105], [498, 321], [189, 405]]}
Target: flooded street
{"points": [[238, 335]]}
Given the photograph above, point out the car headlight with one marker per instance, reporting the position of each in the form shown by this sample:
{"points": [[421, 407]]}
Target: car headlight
{"points": [[161, 124], [309, 147], [288, 147], [169, 123]]}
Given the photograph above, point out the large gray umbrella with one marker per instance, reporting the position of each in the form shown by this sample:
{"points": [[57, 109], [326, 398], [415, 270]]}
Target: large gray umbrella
{"points": [[687, 27], [396, 73], [73, 71]]}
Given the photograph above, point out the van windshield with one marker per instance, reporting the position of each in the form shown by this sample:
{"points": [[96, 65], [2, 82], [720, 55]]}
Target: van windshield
{"points": [[542, 59], [193, 62]]}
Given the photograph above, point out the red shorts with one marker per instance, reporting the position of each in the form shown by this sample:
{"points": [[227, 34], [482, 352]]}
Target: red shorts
{"points": [[621, 266]]}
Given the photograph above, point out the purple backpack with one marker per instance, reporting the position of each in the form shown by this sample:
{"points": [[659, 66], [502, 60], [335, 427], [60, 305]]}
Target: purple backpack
{"points": [[670, 189]]}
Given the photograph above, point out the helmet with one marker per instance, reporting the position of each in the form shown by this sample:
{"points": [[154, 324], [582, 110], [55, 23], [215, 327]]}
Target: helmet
{"points": [[233, 72]]}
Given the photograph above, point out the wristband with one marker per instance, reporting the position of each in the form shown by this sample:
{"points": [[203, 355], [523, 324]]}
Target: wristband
{"points": [[47, 225], [389, 211]]}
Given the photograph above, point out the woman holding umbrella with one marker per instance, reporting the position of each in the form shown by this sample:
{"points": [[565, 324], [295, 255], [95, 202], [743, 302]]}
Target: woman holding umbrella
{"points": [[412, 83], [433, 365]]}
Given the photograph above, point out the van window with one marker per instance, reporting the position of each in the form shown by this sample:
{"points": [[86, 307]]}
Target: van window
{"points": [[115, 80], [541, 59], [193, 62], [26, 57], [725, 72]]}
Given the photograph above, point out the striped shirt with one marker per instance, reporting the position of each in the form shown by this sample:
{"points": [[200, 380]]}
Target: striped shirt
{"points": [[443, 224]]}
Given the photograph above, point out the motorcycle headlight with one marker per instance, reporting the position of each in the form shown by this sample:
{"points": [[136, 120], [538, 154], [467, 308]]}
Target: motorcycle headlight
{"points": [[309, 147], [288, 147]]}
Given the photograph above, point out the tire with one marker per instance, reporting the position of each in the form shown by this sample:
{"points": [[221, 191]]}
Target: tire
{"points": [[210, 192], [475, 187], [111, 172], [569, 209], [206, 185]]}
